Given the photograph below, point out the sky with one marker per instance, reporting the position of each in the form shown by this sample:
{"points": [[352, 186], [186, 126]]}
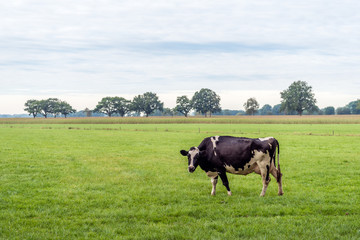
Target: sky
{"points": [[83, 50]]}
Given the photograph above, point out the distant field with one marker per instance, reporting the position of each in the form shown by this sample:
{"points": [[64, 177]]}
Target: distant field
{"points": [[70, 179], [307, 119]]}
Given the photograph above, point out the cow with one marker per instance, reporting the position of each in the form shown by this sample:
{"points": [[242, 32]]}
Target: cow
{"points": [[218, 155]]}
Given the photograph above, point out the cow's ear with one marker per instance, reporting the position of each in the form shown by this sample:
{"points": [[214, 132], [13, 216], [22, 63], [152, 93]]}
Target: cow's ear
{"points": [[184, 153]]}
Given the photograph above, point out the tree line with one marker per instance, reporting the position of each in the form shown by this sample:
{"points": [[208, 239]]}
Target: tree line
{"points": [[48, 106], [298, 98]]}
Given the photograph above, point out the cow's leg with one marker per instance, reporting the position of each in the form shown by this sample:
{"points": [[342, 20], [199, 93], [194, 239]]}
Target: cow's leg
{"points": [[277, 175], [265, 171], [225, 181], [214, 180]]}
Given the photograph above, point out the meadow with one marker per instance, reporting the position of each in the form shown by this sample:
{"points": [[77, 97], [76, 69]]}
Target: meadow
{"points": [[109, 179]]}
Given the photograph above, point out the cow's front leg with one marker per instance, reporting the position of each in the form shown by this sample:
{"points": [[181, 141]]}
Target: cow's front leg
{"points": [[214, 180], [225, 181]]}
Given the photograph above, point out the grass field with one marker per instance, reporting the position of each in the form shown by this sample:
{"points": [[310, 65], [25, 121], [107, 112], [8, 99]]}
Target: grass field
{"points": [[104, 179]]}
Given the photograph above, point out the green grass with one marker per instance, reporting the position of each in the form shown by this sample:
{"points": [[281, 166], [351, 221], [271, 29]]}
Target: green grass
{"points": [[128, 181]]}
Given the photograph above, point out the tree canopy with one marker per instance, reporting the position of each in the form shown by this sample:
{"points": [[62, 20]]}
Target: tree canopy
{"points": [[33, 107], [251, 106], [106, 106], [329, 110], [206, 101], [147, 103], [266, 110], [48, 106], [354, 107], [184, 105], [298, 97], [63, 108]]}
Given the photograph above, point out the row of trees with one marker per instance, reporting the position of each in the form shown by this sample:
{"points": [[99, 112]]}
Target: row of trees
{"points": [[297, 99], [351, 108], [204, 101], [146, 103], [48, 106]]}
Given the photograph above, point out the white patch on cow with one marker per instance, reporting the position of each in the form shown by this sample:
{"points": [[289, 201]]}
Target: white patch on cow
{"points": [[214, 140], [192, 156], [260, 156], [212, 174], [265, 139], [247, 170], [250, 166]]}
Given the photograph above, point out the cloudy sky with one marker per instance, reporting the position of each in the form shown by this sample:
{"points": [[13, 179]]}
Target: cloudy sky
{"points": [[83, 50]]}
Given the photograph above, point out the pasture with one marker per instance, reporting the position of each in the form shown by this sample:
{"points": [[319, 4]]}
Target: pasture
{"points": [[66, 179]]}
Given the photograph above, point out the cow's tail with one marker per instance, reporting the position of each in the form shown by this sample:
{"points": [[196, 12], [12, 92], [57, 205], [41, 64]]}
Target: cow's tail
{"points": [[278, 162]]}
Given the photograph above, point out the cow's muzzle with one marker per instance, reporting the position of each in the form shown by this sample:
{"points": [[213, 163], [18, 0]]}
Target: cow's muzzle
{"points": [[191, 169]]}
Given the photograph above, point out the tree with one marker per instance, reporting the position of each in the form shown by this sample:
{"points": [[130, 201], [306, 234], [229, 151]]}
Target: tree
{"points": [[168, 112], [121, 105], [106, 105], [251, 106], [298, 97], [276, 109], [343, 110], [33, 107], [329, 110], [147, 103], [64, 108], [206, 101], [48, 106], [88, 112], [137, 104], [353, 106], [266, 110], [184, 105]]}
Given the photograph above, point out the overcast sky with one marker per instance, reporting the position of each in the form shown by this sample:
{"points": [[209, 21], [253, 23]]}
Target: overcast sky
{"points": [[83, 50]]}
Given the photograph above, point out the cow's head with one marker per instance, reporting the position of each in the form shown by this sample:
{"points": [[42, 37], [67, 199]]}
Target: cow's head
{"points": [[194, 155]]}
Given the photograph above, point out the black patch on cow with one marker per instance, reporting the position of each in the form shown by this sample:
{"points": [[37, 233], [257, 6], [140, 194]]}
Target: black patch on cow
{"points": [[249, 166], [267, 172]]}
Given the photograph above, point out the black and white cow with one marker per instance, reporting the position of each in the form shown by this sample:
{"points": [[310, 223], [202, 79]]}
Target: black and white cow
{"points": [[220, 154]]}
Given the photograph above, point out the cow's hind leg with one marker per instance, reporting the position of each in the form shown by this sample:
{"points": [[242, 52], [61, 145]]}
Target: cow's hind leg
{"points": [[277, 175], [265, 176]]}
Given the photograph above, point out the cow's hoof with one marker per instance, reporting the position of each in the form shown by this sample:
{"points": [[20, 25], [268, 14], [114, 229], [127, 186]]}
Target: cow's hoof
{"points": [[229, 193], [281, 193], [212, 194]]}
